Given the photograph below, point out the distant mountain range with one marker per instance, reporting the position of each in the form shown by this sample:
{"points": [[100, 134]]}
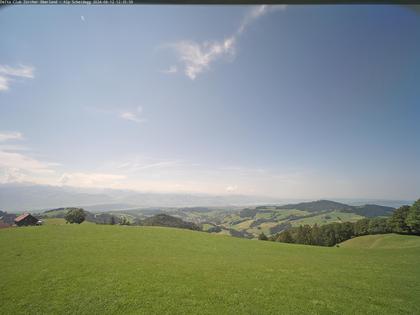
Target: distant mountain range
{"points": [[30, 197], [25, 197], [368, 210]]}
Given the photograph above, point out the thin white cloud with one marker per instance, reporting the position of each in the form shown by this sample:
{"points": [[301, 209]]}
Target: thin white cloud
{"points": [[231, 188], [17, 165], [12, 175], [21, 71], [130, 116], [24, 162], [21, 167], [13, 147], [4, 83], [90, 179], [9, 74], [171, 70], [82, 18], [135, 116], [139, 166], [196, 58], [257, 12], [14, 135]]}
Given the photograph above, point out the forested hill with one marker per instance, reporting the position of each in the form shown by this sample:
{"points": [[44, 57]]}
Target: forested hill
{"points": [[327, 205], [169, 221], [371, 211], [317, 206], [124, 219]]}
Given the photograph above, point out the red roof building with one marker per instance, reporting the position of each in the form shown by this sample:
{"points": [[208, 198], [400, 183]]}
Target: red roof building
{"points": [[26, 219]]}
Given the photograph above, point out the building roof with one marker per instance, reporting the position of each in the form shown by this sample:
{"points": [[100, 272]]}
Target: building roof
{"points": [[22, 217]]}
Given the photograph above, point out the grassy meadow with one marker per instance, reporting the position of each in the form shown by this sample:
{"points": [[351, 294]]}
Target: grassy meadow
{"points": [[384, 241], [102, 269]]}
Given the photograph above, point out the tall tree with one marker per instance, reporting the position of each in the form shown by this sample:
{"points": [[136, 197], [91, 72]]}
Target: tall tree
{"points": [[343, 231], [303, 235], [316, 235], [285, 237], [262, 237], [398, 221], [413, 218], [329, 237], [361, 227], [378, 226]]}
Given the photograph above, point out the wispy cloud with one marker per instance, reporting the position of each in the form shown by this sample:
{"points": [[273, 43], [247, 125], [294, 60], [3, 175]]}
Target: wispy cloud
{"points": [[9, 74], [15, 162], [13, 147], [13, 135], [231, 188], [135, 164], [172, 69], [82, 18], [79, 179], [21, 71], [196, 58], [135, 116], [130, 116], [257, 12]]}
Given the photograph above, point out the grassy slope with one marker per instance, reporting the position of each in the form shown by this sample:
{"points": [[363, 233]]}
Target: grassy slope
{"points": [[55, 221], [383, 241], [60, 221], [330, 217], [94, 269], [281, 216]]}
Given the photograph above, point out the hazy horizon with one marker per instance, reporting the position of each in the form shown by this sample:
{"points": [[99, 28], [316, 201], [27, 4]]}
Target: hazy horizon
{"points": [[23, 197], [287, 102]]}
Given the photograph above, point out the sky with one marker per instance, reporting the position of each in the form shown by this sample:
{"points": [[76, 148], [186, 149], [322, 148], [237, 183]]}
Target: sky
{"points": [[280, 101]]}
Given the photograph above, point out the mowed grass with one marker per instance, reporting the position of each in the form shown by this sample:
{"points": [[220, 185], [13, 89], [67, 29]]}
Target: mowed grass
{"points": [[54, 221], [95, 269], [60, 221], [383, 241]]}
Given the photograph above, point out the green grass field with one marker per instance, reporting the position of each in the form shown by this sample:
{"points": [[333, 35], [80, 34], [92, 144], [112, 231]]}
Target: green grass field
{"points": [[97, 269], [386, 241], [60, 221], [330, 217], [271, 217]]}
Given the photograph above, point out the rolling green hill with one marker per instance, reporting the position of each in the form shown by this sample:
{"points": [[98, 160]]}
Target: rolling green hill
{"points": [[246, 222], [169, 221], [272, 219], [317, 206], [383, 241], [102, 269], [327, 205]]}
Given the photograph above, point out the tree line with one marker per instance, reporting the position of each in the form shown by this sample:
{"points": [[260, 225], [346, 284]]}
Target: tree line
{"points": [[78, 216], [404, 220]]}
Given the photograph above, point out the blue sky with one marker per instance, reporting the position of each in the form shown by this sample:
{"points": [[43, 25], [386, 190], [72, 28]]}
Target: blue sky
{"points": [[285, 101]]}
